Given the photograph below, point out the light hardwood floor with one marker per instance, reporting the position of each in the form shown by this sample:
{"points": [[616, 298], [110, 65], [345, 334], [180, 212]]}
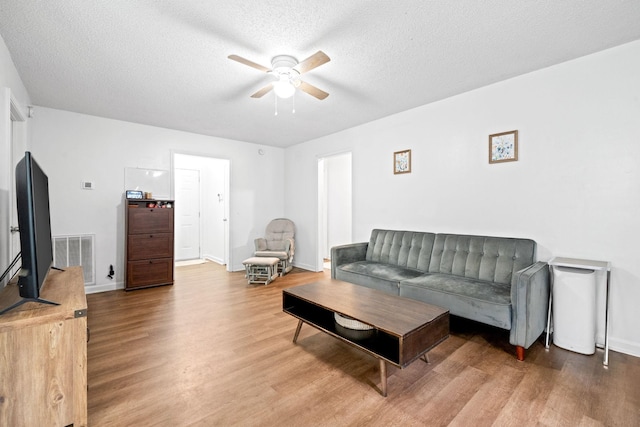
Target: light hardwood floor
{"points": [[213, 351]]}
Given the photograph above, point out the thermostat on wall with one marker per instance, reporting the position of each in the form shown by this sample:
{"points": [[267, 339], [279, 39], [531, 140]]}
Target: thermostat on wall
{"points": [[134, 194], [87, 185]]}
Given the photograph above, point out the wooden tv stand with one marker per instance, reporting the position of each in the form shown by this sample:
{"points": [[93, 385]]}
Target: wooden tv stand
{"points": [[43, 348]]}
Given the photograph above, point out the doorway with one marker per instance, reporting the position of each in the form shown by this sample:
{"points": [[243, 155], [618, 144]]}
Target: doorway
{"points": [[334, 204], [201, 189], [15, 126]]}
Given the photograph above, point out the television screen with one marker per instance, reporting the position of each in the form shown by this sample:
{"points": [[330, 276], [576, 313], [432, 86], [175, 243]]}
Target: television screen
{"points": [[32, 193], [34, 222]]}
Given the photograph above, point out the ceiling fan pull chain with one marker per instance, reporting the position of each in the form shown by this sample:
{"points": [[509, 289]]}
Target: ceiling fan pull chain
{"points": [[276, 97], [293, 111]]}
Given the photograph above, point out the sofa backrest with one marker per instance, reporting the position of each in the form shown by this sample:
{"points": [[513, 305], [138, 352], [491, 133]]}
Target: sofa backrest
{"points": [[410, 249], [494, 259]]}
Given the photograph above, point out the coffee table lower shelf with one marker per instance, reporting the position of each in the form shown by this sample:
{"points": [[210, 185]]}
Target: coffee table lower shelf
{"points": [[399, 346], [383, 361]]}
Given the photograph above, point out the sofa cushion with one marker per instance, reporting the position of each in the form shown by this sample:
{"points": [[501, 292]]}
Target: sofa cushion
{"points": [[383, 277], [478, 300], [408, 249], [490, 259]]}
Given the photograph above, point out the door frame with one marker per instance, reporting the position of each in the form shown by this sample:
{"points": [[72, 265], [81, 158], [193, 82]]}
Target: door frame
{"points": [[322, 204], [18, 130], [13, 138], [227, 220]]}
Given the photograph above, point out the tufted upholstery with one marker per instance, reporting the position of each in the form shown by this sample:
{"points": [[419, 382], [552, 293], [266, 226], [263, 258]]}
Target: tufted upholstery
{"points": [[278, 242], [494, 280], [408, 249], [492, 259]]}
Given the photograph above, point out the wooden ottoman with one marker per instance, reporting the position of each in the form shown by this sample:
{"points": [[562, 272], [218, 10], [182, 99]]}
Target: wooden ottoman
{"points": [[261, 269]]}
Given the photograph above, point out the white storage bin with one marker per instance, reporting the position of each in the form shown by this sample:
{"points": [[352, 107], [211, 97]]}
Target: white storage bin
{"points": [[574, 309]]}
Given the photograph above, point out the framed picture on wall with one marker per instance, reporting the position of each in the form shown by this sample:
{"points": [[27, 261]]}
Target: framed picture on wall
{"points": [[503, 147], [402, 162]]}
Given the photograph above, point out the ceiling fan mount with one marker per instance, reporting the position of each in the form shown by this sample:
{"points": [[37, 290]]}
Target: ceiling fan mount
{"points": [[287, 77], [283, 62], [287, 71]]}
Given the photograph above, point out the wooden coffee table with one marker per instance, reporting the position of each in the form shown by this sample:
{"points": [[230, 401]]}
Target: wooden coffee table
{"points": [[405, 329]]}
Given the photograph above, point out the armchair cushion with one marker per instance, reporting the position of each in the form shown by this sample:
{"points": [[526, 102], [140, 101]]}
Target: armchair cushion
{"points": [[271, 254]]}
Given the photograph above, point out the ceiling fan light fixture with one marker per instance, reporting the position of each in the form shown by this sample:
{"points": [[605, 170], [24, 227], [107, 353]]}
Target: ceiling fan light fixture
{"points": [[283, 88], [287, 70]]}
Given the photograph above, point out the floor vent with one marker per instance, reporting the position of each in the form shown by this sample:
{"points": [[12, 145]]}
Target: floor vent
{"points": [[69, 251]]}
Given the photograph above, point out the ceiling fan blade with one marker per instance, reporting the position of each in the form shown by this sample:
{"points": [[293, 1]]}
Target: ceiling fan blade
{"points": [[315, 60], [249, 63], [312, 90], [262, 92]]}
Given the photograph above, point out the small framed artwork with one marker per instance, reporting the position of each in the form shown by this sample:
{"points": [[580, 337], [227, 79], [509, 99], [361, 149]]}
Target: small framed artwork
{"points": [[503, 147], [402, 162]]}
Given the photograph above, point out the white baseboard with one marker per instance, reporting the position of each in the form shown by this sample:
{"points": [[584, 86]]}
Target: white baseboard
{"points": [[626, 347], [189, 262], [106, 287], [306, 267], [213, 259], [237, 268]]}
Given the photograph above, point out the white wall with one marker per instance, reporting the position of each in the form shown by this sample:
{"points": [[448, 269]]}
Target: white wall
{"points": [[73, 147], [575, 188], [11, 87]]}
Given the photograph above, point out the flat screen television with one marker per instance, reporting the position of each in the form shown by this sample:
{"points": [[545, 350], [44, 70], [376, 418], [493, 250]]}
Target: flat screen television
{"points": [[34, 222]]}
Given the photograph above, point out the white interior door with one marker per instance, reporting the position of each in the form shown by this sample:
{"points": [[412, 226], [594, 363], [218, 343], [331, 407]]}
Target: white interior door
{"points": [[214, 206], [187, 212]]}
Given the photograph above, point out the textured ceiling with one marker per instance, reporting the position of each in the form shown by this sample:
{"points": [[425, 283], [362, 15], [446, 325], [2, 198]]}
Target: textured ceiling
{"points": [[164, 63]]}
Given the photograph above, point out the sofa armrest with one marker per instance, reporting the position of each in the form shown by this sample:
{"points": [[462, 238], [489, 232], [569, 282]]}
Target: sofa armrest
{"points": [[529, 304], [346, 254]]}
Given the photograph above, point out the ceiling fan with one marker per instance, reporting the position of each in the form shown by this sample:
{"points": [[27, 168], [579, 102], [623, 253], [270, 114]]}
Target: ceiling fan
{"points": [[287, 71]]}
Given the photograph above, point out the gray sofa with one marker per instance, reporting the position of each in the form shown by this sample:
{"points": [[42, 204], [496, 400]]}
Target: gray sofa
{"points": [[493, 280]]}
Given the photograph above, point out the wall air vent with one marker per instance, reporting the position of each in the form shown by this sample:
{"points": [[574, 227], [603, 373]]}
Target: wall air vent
{"points": [[70, 251]]}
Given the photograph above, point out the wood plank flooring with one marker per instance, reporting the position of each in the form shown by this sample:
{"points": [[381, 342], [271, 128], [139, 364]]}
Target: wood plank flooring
{"points": [[213, 351]]}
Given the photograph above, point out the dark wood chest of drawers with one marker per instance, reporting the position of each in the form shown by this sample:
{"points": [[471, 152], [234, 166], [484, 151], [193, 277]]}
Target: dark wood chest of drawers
{"points": [[149, 246]]}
